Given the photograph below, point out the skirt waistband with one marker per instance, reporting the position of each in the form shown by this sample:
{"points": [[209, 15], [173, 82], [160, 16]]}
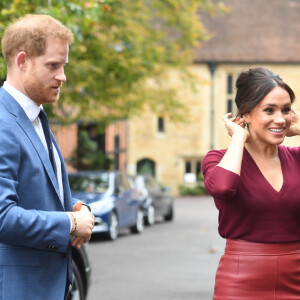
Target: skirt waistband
{"points": [[242, 247]]}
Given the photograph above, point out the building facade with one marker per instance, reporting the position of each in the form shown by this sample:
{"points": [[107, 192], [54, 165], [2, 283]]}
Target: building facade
{"points": [[243, 38]]}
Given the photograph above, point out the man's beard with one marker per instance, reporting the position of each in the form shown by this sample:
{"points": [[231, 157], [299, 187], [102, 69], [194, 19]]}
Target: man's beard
{"points": [[39, 92]]}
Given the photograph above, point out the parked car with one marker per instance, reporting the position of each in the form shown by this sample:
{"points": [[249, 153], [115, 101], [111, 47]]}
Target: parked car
{"points": [[156, 201], [81, 274], [111, 199]]}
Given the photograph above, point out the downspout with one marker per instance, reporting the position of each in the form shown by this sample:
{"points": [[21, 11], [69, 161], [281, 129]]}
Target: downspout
{"points": [[212, 68]]}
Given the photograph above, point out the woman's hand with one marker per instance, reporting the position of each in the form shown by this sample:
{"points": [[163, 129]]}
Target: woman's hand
{"points": [[236, 126], [232, 160], [295, 125]]}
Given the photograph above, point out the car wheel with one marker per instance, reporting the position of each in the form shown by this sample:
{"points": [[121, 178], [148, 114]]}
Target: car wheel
{"points": [[170, 215], [139, 222], [77, 290], [112, 234], [150, 219]]}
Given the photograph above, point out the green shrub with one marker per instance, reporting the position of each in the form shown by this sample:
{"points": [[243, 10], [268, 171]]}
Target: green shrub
{"points": [[196, 190]]}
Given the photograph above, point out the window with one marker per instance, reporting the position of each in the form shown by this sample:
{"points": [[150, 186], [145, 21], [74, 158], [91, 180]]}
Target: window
{"points": [[117, 142], [229, 84], [117, 151], [126, 183], [145, 166], [188, 167], [96, 132], [198, 169], [118, 184], [230, 94], [89, 183], [161, 124], [229, 105], [192, 170], [121, 183], [152, 183]]}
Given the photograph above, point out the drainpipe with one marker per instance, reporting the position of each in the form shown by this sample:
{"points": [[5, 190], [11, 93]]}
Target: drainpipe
{"points": [[212, 68]]}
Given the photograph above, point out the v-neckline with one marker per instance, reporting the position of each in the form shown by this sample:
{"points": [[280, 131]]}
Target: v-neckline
{"points": [[263, 176]]}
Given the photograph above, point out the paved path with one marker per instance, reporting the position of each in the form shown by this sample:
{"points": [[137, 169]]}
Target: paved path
{"points": [[169, 261]]}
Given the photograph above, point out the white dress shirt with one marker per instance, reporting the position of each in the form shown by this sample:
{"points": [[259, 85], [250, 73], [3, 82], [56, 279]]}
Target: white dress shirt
{"points": [[32, 111]]}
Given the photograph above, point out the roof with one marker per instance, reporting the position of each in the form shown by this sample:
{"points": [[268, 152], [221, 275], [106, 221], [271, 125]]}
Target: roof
{"points": [[253, 31]]}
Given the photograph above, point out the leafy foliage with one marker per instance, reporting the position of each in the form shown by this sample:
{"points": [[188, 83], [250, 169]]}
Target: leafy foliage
{"points": [[146, 169], [87, 157], [119, 45]]}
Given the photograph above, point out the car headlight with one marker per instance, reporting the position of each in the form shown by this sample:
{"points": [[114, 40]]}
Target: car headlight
{"points": [[100, 207]]}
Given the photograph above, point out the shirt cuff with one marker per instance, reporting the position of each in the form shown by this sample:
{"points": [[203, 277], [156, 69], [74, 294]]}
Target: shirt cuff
{"points": [[71, 224], [87, 206]]}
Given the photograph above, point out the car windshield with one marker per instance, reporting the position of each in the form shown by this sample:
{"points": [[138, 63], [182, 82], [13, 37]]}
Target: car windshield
{"points": [[90, 183]]}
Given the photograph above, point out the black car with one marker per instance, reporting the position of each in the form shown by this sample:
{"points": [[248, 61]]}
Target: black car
{"points": [[81, 274], [155, 199]]}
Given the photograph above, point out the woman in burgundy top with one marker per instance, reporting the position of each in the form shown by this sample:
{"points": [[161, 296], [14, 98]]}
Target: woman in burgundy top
{"points": [[256, 188]]}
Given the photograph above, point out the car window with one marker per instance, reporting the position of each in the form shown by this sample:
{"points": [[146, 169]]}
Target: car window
{"points": [[152, 183], [89, 183], [118, 183], [131, 182], [121, 182], [148, 182], [126, 183]]}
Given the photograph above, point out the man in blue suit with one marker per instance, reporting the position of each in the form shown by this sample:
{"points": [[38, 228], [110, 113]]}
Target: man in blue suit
{"points": [[38, 217]]}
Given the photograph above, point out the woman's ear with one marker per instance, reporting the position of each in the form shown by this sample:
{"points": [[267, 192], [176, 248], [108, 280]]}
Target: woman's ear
{"points": [[246, 117]]}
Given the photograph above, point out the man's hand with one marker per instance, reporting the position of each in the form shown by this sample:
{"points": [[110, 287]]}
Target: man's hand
{"points": [[85, 224]]}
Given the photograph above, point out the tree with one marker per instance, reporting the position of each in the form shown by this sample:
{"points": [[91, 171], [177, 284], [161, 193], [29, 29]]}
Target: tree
{"points": [[119, 45], [87, 156]]}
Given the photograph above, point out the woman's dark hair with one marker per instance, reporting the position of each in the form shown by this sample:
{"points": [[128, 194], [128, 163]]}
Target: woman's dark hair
{"points": [[253, 85]]}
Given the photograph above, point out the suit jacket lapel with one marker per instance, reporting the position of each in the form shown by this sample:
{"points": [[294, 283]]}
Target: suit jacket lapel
{"points": [[21, 118]]}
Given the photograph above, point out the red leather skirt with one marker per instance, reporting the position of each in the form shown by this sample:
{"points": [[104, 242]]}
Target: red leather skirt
{"points": [[258, 271]]}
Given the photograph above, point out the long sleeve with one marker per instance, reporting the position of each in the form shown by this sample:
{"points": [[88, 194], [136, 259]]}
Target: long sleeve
{"points": [[30, 210], [249, 207], [219, 182]]}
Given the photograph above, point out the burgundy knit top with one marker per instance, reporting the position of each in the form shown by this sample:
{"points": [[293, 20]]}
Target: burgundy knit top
{"points": [[249, 207]]}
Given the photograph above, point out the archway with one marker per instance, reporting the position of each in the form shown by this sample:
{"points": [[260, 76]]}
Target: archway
{"points": [[146, 166]]}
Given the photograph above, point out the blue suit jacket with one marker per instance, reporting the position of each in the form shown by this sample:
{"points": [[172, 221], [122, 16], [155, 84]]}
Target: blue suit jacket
{"points": [[35, 252]]}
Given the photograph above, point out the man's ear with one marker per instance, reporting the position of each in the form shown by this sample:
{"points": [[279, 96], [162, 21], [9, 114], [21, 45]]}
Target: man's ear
{"points": [[21, 60]]}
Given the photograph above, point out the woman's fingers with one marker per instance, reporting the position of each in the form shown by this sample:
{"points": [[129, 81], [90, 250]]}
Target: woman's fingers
{"points": [[226, 118], [237, 120], [233, 124]]}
